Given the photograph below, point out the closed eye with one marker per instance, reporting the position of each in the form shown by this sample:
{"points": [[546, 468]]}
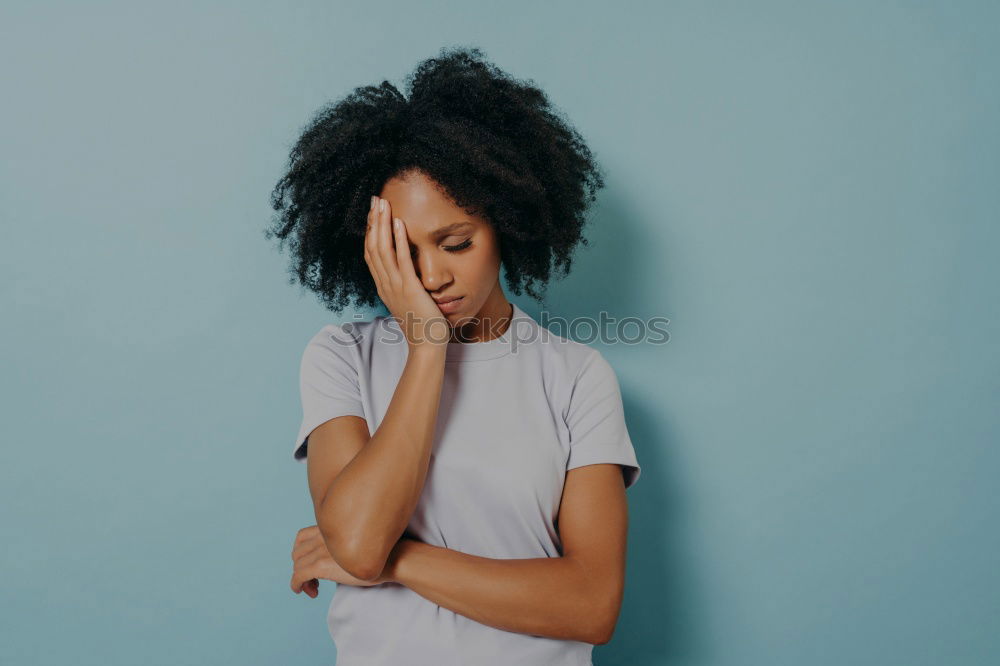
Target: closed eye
{"points": [[460, 246], [450, 248]]}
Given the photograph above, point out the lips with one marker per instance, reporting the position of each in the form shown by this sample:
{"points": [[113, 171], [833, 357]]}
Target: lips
{"points": [[450, 305], [446, 299]]}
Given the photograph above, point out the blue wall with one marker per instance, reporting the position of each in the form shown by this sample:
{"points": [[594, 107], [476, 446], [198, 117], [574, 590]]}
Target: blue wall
{"points": [[807, 190]]}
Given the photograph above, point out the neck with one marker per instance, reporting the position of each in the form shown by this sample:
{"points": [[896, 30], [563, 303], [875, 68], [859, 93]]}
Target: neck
{"points": [[491, 321]]}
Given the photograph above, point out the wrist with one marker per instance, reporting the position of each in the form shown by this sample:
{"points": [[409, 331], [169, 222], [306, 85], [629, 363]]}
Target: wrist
{"points": [[394, 572], [431, 352]]}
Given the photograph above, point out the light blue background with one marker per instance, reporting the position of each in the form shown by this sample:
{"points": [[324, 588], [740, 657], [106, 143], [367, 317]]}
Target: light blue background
{"points": [[807, 190]]}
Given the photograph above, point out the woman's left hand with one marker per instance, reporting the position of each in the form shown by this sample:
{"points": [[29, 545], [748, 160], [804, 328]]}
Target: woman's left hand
{"points": [[313, 561]]}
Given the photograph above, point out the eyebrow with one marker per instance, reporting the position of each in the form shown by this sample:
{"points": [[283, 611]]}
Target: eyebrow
{"points": [[447, 229]]}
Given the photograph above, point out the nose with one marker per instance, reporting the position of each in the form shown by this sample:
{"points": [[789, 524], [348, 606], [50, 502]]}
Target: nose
{"points": [[432, 271]]}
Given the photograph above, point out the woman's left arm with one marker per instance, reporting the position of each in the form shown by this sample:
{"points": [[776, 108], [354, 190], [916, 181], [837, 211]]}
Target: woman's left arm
{"points": [[576, 596]]}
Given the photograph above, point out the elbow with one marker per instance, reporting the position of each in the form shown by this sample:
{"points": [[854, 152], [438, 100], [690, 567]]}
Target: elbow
{"points": [[602, 623], [352, 555], [603, 634], [367, 570], [603, 631]]}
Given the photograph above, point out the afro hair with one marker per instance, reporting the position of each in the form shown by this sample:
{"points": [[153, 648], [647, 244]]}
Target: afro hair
{"points": [[494, 145]]}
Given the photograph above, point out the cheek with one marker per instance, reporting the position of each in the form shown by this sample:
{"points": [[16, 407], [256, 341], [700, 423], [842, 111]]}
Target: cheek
{"points": [[481, 266]]}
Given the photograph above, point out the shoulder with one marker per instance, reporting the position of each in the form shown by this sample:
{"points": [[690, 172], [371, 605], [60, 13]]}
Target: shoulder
{"points": [[592, 376], [568, 356], [569, 366], [351, 340]]}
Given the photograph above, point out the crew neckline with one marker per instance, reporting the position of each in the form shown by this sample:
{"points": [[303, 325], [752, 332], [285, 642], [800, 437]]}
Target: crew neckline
{"points": [[462, 352]]}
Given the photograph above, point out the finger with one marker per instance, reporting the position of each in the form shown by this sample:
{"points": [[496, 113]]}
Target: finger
{"points": [[403, 257], [313, 557], [384, 231], [371, 247], [301, 575], [297, 544], [307, 547], [301, 552]]}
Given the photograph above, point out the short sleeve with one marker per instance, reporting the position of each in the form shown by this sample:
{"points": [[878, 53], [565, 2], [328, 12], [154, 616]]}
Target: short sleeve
{"points": [[596, 420], [328, 383]]}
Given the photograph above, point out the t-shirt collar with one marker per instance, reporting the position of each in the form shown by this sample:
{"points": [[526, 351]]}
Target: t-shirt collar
{"points": [[460, 352]]}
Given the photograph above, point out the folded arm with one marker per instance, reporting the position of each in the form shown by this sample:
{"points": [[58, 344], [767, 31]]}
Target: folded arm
{"points": [[575, 597], [365, 489]]}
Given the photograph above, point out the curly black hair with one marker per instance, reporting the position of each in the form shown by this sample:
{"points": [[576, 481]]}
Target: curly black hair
{"points": [[494, 145]]}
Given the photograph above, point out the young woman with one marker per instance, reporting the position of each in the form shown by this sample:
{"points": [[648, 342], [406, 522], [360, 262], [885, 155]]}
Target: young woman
{"points": [[467, 466]]}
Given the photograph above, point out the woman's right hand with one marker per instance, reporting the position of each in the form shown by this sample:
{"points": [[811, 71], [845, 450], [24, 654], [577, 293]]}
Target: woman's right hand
{"points": [[387, 253]]}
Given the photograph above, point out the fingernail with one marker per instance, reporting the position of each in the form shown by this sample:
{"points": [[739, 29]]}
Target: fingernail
{"points": [[396, 223], [381, 205], [372, 204]]}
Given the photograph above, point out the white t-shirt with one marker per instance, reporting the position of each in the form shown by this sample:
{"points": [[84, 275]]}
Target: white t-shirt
{"points": [[516, 413]]}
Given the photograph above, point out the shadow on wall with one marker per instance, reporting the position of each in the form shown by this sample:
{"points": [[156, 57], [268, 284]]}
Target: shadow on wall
{"points": [[661, 620]]}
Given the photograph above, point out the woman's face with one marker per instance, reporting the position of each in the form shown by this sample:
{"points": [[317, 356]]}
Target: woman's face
{"points": [[454, 253]]}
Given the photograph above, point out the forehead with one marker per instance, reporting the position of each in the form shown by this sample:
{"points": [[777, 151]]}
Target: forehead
{"points": [[423, 206]]}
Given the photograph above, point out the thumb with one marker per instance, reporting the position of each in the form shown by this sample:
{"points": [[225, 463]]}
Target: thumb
{"points": [[403, 257]]}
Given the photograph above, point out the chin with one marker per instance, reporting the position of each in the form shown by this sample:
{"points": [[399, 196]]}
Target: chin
{"points": [[460, 316]]}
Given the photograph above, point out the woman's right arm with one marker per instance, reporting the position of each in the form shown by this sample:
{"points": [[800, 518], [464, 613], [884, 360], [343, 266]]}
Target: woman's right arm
{"points": [[365, 489], [364, 502]]}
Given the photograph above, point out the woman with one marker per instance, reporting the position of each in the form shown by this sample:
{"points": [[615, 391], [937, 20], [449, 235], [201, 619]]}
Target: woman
{"points": [[467, 467]]}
